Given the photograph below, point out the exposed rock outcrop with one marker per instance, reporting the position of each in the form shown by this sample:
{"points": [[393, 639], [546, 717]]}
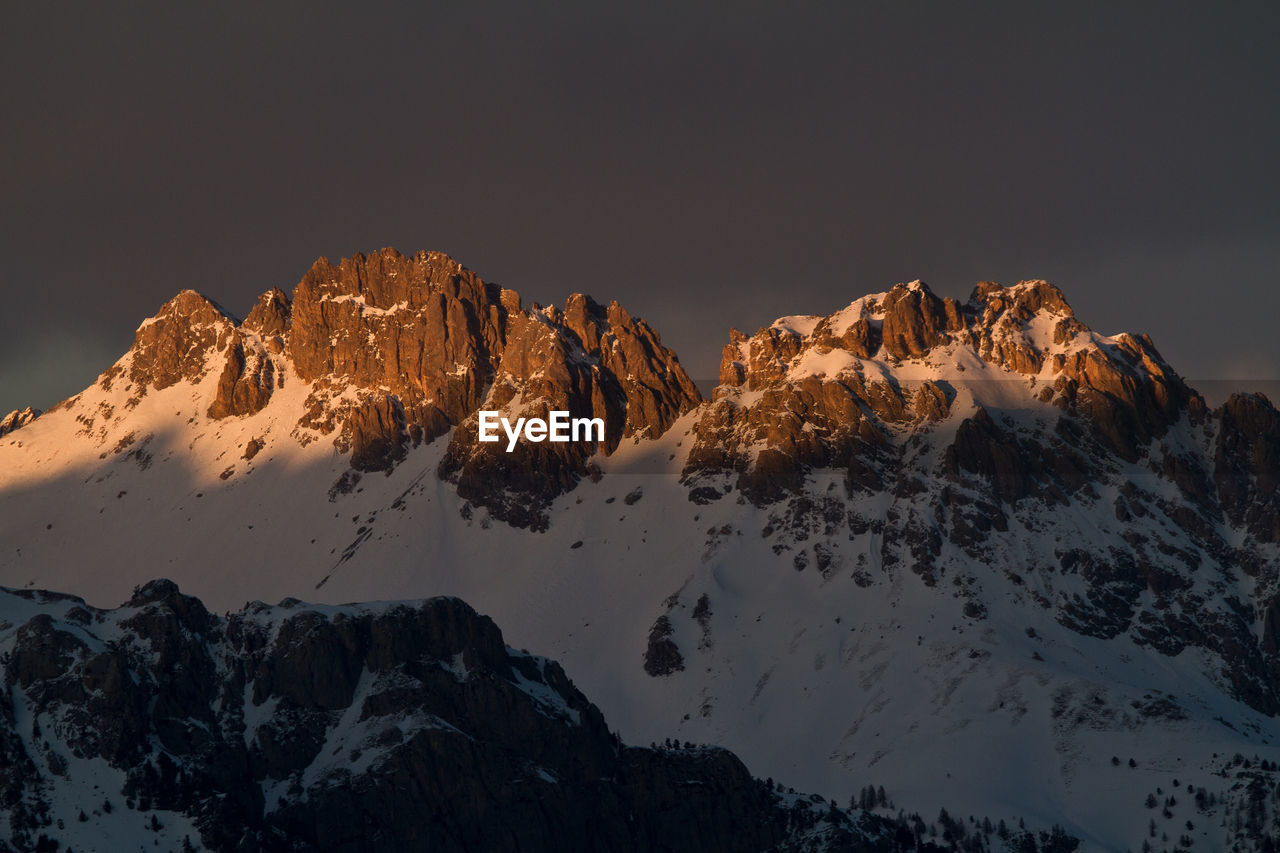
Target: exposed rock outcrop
{"points": [[176, 344], [246, 381], [661, 655], [424, 327], [833, 398], [399, 350], [916, 321], [270, 316], [589, 360], [355, 729], [966, 426], [17, 419], [1247, 464]]}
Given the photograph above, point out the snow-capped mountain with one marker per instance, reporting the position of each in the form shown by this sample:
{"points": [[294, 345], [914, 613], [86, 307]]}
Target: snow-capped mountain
{"points": [[360, 728], [977, 553]]}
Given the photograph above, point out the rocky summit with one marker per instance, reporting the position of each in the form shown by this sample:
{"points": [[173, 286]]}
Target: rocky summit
{"points": [[975, 553], [977, 423], [829, 392], [398, 351]]}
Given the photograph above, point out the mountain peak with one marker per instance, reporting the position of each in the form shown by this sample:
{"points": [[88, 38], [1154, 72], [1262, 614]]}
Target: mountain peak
{"points": [[1029, 296], [1018, 329], [270, 314], [424, 344], [174, 344], [390, 351], [913, 510], [811, 391]]}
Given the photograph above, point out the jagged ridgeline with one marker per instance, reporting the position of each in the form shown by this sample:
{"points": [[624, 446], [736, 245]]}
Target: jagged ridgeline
{"points": [[397, 351], [835, 392], [913, 526], [978, 421], [357, 728]]}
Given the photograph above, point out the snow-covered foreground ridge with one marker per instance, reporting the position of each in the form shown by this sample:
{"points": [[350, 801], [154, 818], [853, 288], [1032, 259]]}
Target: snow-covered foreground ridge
{"points": [[391, 726], [969, 552]]}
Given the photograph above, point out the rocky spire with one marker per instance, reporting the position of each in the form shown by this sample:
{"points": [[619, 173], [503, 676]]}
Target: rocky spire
{"points": [[17, 419]]}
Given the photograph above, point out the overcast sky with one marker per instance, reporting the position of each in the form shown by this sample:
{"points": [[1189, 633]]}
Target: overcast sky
{"points": [[708, 166]]}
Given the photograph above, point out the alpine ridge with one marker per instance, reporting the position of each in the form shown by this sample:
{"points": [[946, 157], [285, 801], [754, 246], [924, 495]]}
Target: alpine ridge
{"points": [[358, 728], [1011, 407], [397, 351], [978, 531]]}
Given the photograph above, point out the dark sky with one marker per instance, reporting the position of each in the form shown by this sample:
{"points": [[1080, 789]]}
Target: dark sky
{"points": [[706, 166]]}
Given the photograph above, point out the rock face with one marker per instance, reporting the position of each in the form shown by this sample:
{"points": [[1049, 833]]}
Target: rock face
{"points": [[395, 351], [246, 382], [832, 395], [175, 344], [424, 328], [915, 321], [589, 360], [1070, 529], [358, 728], [17, 419], [662, 656], [1246, 465], [965, 428]]}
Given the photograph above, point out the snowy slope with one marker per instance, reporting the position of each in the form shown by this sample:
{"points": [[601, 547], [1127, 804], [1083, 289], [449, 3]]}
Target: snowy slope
{"points": [[827, 680]]}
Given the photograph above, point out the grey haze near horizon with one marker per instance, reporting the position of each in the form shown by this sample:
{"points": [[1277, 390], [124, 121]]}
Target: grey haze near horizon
{"points": [[708, 166]]}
